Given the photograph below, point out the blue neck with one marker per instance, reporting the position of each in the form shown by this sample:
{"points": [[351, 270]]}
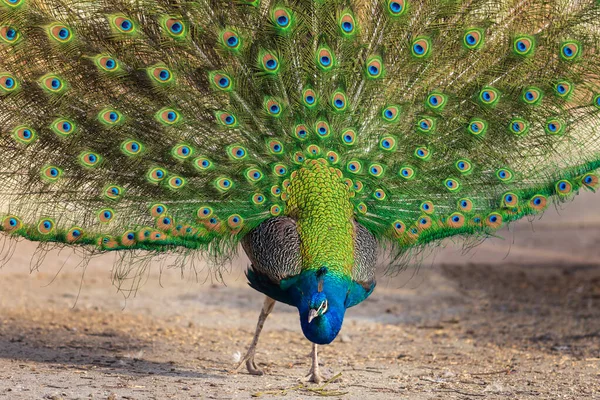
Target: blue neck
{"points": [[324, 328]]}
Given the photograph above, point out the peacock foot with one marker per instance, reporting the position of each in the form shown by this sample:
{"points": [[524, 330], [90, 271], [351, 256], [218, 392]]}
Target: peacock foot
{"points": [[315, 376], [251, 366]]}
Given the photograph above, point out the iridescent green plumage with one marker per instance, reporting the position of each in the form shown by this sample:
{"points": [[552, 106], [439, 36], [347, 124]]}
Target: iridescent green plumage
{"points": [[435, 119]]}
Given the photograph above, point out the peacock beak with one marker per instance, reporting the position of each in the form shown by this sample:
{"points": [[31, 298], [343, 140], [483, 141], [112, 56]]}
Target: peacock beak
{"points": [[312, 314]]}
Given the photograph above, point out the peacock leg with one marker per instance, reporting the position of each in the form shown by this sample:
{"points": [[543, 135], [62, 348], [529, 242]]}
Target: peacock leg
{"points": [[249, 357], [315, 375]]}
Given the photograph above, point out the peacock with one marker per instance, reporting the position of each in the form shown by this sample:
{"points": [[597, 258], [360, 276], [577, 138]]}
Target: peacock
{"points": [[310, 132]]}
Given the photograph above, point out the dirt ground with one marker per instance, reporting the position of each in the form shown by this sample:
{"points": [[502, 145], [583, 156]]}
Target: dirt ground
{"points": [[516, 318]]}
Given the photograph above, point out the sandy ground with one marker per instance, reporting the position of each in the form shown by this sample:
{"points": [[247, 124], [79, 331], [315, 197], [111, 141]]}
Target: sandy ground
{"points": [[517, 317]]}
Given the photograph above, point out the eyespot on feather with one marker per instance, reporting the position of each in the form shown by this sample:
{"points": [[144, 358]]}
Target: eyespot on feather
{"points": [[237, 152], [11, 223], [273, 107], [374, 67], [45, 226], [424, 222], [220, 81], [128, 239], [332, 157], [52, 83], [396, 8], [590, 181], [376, 170], [106, 215], [322, 129], [24, 134], [524, 46], [421, 47], [347, 24], [325, 59], [464, 166], [253, 174], [235, 221], [313, 150], [510, 200], [354, 167], [106, 63], [90, 159], [465, 205], [436, 101], [275, 191], [174, 27], [309, 97], [563, 89], [280, 170], [74, 234], [8, 83], [348, 137], [518, 126], [563, 187], [9, 35], [361, 208], [301, 132], [532, 95], [456, 220], [59, 33], [477, 127], [176, 182], [164, 222], [156, 174], [157, 210], [113, 192], [131, 147], [275, 147], [63, 127], [275, 210], [230, 39], [269, 62], [226, 119], [538, 202], [452, 184], [167, 116], [51, 173], [493, 220], [554, 126], [505, 175], [339, 101], [570, 50], [122, 24], [399, 227], [202, 163], [379, 194], [258, 199], [390, 113], [110, 117], [473, 39], [388, 143], [427, 207], [489, 96], [182, 151], [407, 173], [358, 186], [282, 19], [223, 184], [160, 74], [426, 125], [422, 153]]}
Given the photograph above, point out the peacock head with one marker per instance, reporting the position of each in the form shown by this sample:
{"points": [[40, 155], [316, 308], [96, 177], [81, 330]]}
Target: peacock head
{"points": [[321, 304]]}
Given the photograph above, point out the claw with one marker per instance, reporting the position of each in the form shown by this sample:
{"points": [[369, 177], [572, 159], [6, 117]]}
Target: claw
{"points": [[251, 366]]}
